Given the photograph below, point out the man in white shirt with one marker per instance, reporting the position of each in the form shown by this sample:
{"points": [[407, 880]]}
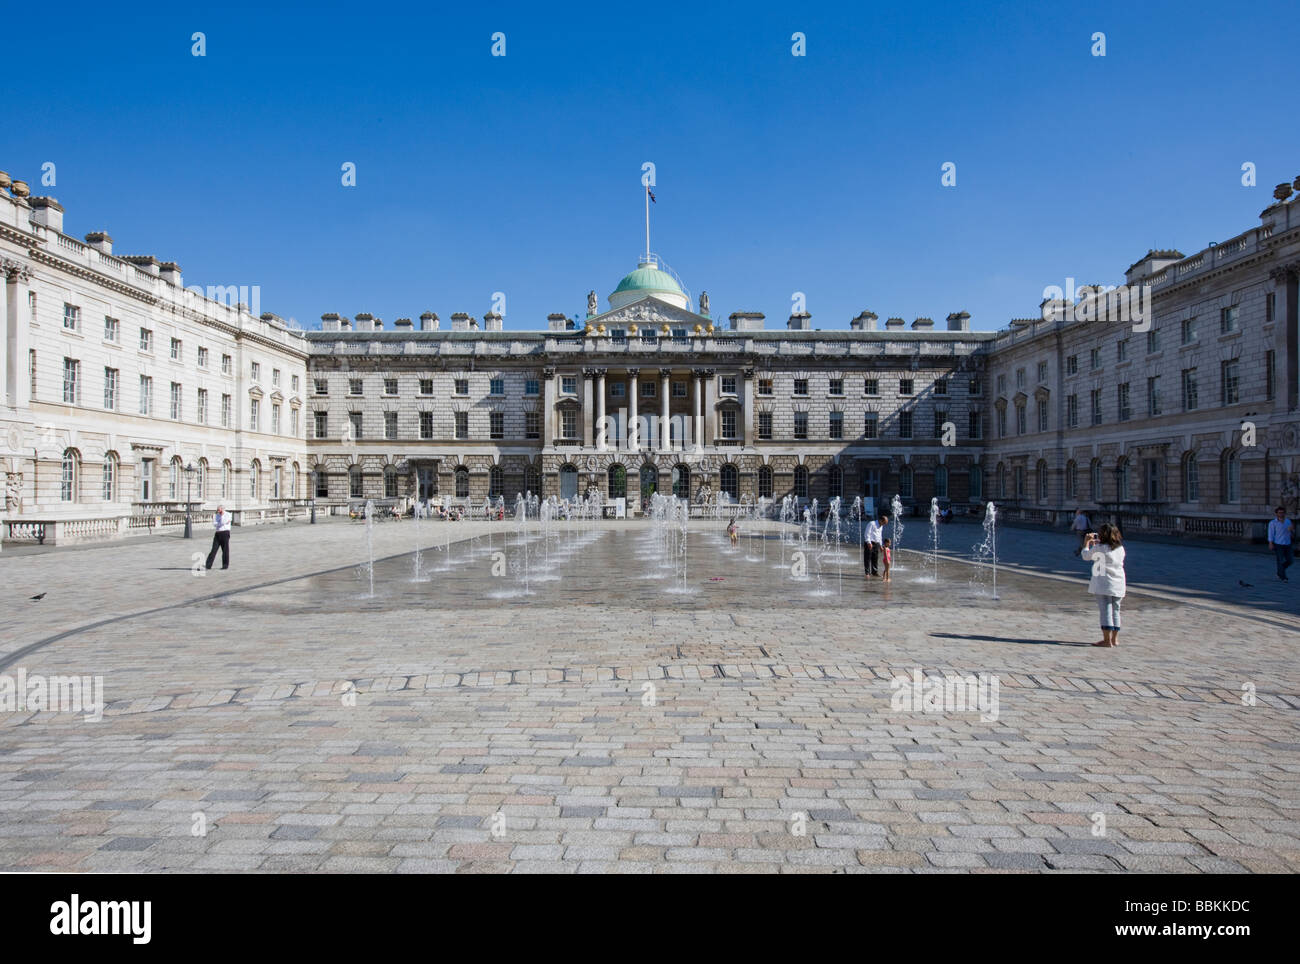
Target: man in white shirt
{"points": [[872, 544], [220, 538], [1279, 540], [1080, 528]]}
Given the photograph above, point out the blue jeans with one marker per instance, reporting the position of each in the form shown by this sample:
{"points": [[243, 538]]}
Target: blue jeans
{"points": [[1108, 607], [1284, 559]]}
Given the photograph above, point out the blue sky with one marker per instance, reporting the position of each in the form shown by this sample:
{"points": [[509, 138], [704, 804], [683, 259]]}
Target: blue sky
{"points": [[521, 174]]}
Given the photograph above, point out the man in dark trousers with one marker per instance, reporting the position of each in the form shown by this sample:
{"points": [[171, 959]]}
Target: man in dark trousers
{"points": [[872, 538], [221, 538]]}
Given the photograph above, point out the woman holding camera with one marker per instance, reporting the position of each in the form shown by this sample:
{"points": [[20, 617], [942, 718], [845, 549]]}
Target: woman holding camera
{"points": [[1105, 550]]}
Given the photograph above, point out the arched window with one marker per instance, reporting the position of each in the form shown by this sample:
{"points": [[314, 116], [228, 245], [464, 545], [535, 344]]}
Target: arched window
{"points": [[765, 482], [801, 481], [730, 480], [649, 482], [225, 479], [941, 482], [1071, 480], [568, 481], [110, 477], [354, 481], [682, 481], [390, 482], [462, 482], [1041, 472], [496, 481], [201, 481], [1121, 480], [1094, 480], [1231, 477], [533, 479], [617, 482], [254, 478], [835, 482], [976, 482], [1191, 478], [174, 479], [69, 484], [905, 480]]}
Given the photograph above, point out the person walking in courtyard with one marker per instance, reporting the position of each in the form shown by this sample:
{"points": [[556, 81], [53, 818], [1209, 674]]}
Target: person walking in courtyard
{"points": [[1280, 531], [220, 538], [872, 545], [1080, 527], [1105, 551]]}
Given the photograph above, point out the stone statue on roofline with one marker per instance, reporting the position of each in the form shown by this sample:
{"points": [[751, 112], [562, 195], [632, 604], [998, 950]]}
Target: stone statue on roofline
{"points": [[592, 307]]}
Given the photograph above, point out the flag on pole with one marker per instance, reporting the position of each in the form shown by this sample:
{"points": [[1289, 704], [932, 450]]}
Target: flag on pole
{"points": [[651, 193]]}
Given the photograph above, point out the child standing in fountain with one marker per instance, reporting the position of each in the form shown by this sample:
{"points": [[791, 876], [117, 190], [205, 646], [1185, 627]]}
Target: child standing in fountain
{"points": [[1104, 549], [888, 555], [732, 530]]}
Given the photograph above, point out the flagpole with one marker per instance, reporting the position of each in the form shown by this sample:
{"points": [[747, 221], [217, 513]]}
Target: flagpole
{"points": [[647, 223]]}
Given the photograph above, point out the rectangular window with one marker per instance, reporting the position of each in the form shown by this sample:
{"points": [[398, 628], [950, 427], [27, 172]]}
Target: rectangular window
{"points": [[322, 386], [203, 357], [532, 425], [618, 389], [1022, 424], [226, 363], [801, 386], [1121, 350], [1228, 319], [1002, 422], [648, 389], [729, 384], [905, 424], [253, 406], [177, 350], [974, 424], [1042, 415], [71, 317], [426, 425], [1153, 396], [275, 376], [679, 389], [390, 386], [1231, 385], [1270, 374], [294, 383], [905, 386], [765, 425], [765, 386], [1002, 384], [293, 422], [322, 424], [1189, 330], [1096, 359], [1096, 406], [871, 386], [940, 417], [496, 386], [203, 406], [146, 395], [837, 386], [226, 409], [390, 425], [941, 386], [1153, 341], [496, 425], [71, 381], [1020, 378], [1042, 372], [801, 425], [1270, 306], [975, 387], [110, 388], [1072, 365], [729, 424], [354, 422], [256, 369], [176, 409], [112, 329], [355, 386], [146, 339], [275, 419], [1125, 412], [568, 386], [426, 386], [462, 425], [836, 426], [1191, 397], [533, 386], [568, 425]]}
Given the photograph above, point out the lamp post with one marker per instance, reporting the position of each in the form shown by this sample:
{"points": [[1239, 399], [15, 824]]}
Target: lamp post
{"points": [[313, 496], [189, 480]]}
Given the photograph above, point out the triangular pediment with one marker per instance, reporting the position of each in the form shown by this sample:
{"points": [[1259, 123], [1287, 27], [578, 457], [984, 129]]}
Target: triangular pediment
{"points": [[650, 312]]}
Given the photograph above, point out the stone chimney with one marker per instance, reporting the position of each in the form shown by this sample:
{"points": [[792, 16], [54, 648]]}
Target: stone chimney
{"points": [[959, 321], [894, 324], [403, 324], [345, 323], [800, 321], [170, 272], [365, 321], [428, 321], [492, 321], [100, 241], [329, 321], [746, 320], [460, 321], [556, 321], [1152, 263], [145, 262], [864, 322], [49, 212], [923, 324]]}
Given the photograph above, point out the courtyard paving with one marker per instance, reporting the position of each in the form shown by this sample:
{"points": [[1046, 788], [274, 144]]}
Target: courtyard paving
{"points": [[590, 703]]}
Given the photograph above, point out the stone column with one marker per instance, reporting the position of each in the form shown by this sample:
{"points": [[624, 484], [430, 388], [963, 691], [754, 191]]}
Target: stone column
{"points": [[665, 389], [18, 383], [587, 375], [634, 395], [697, 421], [600, 409], [710, 407], [548, 408], [747, 409]]}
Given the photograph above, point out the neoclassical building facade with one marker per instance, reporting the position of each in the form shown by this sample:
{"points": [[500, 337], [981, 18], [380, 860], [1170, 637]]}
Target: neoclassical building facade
{"points": [[127, 395]]}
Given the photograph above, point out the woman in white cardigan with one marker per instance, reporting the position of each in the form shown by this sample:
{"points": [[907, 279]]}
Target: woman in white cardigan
{"points": [[1105, 551]]}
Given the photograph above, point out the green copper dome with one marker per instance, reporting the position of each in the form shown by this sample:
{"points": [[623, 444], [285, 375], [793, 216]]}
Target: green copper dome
{"points": [[649, 280]]}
